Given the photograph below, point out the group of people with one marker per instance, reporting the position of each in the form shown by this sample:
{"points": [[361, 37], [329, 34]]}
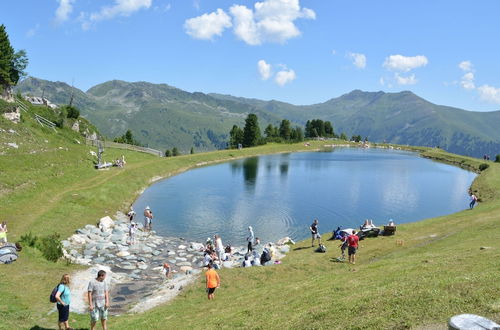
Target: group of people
{"points": [[98, 298], [349, 242], [148, 220]]}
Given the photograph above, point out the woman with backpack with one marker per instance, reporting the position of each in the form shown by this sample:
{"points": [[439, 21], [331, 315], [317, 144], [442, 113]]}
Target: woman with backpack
{"points": [[63, 298]]}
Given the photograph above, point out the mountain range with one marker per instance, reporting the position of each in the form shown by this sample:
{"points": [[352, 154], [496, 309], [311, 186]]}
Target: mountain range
{"points": [[163, 116]]}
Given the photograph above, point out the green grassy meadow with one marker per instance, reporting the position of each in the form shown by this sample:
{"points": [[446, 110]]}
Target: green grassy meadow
{"points": [[49, 185]]}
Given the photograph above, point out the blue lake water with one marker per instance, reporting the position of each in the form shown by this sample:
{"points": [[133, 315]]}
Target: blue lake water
{"points": [[279, 195]]}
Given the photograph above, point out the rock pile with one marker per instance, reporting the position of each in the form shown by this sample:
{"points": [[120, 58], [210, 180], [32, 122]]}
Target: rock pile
{"points": [[139, 266]]}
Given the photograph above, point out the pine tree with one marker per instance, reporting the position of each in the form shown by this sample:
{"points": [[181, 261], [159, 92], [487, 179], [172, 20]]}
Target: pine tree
{"points": [[12, 64], [235, 137], [285, 130], [175, 151], [192, 150], [251, 132]]}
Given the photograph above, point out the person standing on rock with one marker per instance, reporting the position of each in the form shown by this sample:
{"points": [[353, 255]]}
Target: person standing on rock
{"points": [[131, 232], [213, 281], [219, 247], [314, 232], [166, 270], [98, 295], [250, 239], [131, 214], [148, 218], [63, 297]]}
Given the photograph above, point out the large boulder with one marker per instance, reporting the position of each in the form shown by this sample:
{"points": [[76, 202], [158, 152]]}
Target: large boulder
{"points": [[106, 223]]}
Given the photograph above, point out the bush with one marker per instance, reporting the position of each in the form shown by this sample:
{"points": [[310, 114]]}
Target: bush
{"points": [[483, 166], [168, 153], [51, 247], [28, 239], [497, 159], [72, 112]]}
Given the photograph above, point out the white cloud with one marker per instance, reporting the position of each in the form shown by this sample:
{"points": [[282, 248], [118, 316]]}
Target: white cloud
{"points": [[264, 69], [489, 94], [120, 8], [334, 52], [465, 66], [269, 21], [467, 81], [410, 80], [207, 26], [285, 76], [381, 81], [359, 60], [31, 32], [404, 63], [62, 12]]}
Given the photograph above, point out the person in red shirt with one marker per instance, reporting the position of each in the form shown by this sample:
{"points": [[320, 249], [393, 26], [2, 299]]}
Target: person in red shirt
{"points": [[213, 281], [352, 242]]}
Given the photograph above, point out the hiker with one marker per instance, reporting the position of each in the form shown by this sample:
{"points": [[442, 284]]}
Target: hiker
{"points": [[473, 200], [3, 232], [256, 259], [166, 270], [63, 297], [207, 259], [314, 232], [352, 246], [148, 217], [213, 281], [98, 295], [265, 257], [343, 246], [219, 247], [246, 262], [131, 231], [250, 239], [131, 214]]}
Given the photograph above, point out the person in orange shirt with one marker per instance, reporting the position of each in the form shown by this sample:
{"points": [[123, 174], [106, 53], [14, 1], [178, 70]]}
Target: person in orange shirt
{"points": [[213, 281]]}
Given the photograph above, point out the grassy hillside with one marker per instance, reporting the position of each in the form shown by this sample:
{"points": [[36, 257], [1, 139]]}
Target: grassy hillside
{"points": [[48, 184]]}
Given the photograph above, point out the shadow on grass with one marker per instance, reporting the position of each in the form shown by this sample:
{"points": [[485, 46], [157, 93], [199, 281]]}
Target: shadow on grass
{"points": [[302, 248], [36, 327]]}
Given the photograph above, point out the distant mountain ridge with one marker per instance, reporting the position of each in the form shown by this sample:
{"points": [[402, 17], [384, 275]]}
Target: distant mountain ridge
{"points": [[163, 116]]}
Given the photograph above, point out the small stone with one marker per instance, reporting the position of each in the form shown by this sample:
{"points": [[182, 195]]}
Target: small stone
{"points": [[156, 253], [184, 263], [73, 252], [180, 259], [98, 260], [181, 247], [123, 253], [185, 269], [171, 253], [142, 265], [485, 247]]}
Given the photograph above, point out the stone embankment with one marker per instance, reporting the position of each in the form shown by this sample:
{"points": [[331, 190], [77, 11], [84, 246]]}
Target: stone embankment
{"points": [[135, 270]]}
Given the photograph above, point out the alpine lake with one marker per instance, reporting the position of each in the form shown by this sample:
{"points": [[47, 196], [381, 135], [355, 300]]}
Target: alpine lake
{"points": [[280, 195]]}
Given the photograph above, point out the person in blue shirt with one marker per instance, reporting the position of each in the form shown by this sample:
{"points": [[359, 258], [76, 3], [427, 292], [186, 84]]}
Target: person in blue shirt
{"points": [[63, 297]]}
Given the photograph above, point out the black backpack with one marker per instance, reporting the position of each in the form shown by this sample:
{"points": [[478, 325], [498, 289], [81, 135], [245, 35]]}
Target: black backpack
{"points": [[52, 297], [321, 248]]}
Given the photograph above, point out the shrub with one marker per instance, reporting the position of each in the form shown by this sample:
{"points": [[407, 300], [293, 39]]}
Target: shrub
{"points": [[51, 247], [28, 239], [483, 166], [72, 112], [497, 159], [168, 153]]}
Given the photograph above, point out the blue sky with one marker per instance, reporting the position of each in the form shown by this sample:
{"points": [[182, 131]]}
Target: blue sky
{"points": [[302, 52]]}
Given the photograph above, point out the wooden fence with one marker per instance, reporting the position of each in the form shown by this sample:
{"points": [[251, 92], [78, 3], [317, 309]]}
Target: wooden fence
{"points": [[110, 144]]}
